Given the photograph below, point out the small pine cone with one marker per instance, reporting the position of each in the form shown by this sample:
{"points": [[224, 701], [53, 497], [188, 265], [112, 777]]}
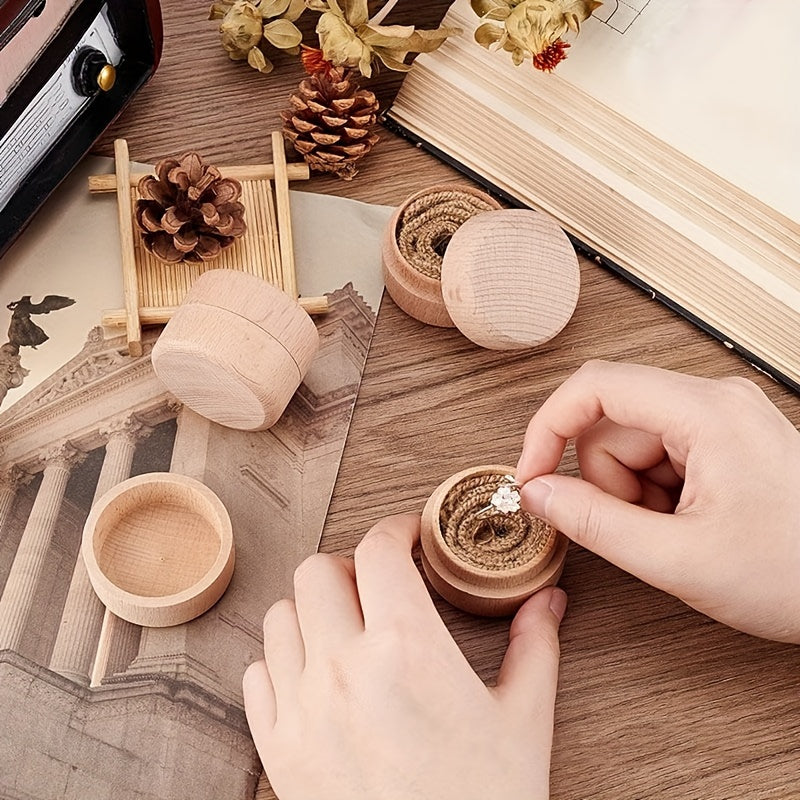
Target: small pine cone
{"points": [[188, 211], [330, 122]]}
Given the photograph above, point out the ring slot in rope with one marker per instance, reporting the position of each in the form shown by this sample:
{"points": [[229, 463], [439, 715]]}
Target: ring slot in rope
{"points": [[427, 224], [490, 540]]}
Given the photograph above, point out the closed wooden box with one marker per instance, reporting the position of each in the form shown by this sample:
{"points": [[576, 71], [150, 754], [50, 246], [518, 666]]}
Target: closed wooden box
{"points": [[236, 349]]}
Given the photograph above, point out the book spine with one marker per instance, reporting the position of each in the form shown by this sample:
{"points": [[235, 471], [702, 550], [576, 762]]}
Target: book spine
{"points": [[392, 125]]}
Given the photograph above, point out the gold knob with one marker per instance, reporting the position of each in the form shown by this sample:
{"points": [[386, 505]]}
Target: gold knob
{"points": [[106, 77]]}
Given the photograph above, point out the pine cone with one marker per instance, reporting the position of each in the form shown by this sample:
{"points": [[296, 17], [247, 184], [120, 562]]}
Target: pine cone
{"points": [[188, 211], [330, 122]]}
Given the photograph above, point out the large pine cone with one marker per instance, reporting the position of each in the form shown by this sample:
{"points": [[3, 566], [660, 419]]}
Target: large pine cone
{"points": [[330, 122], [188, 211]]}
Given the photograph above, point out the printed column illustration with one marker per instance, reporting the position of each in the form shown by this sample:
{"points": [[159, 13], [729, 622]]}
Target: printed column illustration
{"points": [[79, 631], [15, 604]]}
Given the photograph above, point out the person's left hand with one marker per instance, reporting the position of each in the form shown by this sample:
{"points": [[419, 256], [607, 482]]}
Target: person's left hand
{"points": [[364, 694]]}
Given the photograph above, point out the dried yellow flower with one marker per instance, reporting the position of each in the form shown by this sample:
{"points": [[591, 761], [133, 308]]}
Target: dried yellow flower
{"points": [[348, 38], [341, 45], [248, 27], [531, 28], [241, 29]]}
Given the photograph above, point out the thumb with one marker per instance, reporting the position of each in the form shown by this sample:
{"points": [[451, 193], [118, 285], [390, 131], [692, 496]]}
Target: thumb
{"points": [[646, 543], [529, 673]]}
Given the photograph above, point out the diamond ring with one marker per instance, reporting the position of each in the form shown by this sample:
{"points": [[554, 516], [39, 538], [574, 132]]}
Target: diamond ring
{"points": [[505, 499]]}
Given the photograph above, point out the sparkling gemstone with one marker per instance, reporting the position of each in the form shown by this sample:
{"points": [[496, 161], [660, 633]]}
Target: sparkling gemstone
{"points": [[506, 500]]}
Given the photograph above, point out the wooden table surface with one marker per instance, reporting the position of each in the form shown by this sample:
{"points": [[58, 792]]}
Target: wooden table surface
{"points": [[655, 700]]}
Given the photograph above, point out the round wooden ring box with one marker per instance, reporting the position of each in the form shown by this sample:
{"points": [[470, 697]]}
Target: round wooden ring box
{"points": [[479, 559], [510, 279], [236, 349], [429, 218], [158, 549]]}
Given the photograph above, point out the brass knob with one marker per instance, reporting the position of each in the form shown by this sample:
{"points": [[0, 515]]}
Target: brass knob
{"points": [[106, 77], [91, 72]]}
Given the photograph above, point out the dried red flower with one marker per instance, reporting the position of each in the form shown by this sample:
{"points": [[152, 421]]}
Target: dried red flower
{"points": [[551, 56], [313, 60]]}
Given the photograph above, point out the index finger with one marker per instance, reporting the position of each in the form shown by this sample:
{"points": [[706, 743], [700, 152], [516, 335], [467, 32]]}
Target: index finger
{"points": [[649, 399], [389, 584]]}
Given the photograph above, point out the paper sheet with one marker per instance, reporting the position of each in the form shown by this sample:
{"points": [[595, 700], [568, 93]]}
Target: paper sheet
{"points": [[164, 710]]}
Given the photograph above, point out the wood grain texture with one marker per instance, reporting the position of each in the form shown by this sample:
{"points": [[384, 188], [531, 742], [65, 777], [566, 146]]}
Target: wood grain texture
{"points": [[236, 350], [283, 212], [158, 549], [510, 279], [655, 702], [161, 315], [98, 184]]}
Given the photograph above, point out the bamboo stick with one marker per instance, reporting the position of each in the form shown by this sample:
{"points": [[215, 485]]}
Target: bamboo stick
{"points": [[284, 215], [161, 315], [276, 275], [296, 171], [130, 281]]}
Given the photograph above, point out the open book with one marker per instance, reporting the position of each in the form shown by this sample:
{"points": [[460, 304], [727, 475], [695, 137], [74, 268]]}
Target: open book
{"points": [[667, 144]]}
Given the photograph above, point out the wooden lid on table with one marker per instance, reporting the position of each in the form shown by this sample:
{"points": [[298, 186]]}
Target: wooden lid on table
{"points": [[510, 279]]}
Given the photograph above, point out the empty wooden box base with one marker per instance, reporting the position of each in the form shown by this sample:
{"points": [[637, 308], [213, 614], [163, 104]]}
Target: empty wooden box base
{"points": [[479, 559], [236, 350], [158, 549]]}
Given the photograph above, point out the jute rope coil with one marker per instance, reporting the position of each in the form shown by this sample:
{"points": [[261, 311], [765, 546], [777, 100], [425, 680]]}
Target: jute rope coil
{"points": [[490, 540], [427, 223]]}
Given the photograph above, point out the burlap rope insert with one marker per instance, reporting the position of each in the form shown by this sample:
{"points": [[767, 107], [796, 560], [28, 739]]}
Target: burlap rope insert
{"points": [[426, 225], [491, 540]]}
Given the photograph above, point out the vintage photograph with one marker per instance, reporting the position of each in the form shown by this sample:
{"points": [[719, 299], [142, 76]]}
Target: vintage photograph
{"points": [[114, 709]]}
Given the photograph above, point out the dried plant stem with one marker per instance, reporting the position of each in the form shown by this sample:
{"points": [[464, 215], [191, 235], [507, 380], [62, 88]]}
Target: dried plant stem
{"points": [[383, 13]]}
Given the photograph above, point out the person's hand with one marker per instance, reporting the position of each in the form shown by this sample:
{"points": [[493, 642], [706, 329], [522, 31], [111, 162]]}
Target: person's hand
{"points": [[691, 484], [364, 694]]}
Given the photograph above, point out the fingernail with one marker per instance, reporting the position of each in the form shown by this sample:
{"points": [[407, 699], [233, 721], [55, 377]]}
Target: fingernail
{"points": [[536, 494], [558, 603]]}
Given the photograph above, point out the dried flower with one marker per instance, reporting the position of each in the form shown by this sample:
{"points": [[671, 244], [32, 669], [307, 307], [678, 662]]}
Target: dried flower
{"points": [[313, 60], [531, 28], [247, 28], [348, 37], [551, 56]]}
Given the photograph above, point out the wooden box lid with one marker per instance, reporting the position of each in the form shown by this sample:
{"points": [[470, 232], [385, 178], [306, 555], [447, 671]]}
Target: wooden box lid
{"points": [[510, 279]]}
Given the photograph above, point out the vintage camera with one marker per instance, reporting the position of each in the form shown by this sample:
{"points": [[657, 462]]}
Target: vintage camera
{"points": [[67, 69]]}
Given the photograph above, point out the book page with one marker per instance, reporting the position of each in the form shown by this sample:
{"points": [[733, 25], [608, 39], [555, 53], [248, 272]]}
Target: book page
{"points": [[716, 79]]}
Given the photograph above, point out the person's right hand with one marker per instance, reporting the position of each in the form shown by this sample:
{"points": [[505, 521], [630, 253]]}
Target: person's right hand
{"points": [[691, 484]]}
